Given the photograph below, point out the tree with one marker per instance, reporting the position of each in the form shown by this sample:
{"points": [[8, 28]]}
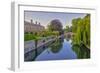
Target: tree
{"points": [[70, 29], [75, 24], [81, 29], [67, 28], [55, 25]]}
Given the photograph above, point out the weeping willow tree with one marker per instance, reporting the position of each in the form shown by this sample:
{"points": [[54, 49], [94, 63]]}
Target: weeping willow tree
{"points": [[81, 30]]}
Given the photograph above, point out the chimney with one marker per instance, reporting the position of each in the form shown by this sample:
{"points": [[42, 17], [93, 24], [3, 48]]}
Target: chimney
{"points": [[31, 21], [36, 22], [39, 23]]}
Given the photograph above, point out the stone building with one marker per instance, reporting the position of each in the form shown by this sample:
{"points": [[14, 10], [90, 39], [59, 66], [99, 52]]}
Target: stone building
{"points": [[30, 27]]}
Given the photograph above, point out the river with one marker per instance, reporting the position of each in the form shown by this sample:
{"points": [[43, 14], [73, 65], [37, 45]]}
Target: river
{"points": [[58, 50]]}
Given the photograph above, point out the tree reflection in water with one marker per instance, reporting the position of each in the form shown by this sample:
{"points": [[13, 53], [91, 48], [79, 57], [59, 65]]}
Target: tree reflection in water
{"points": [[82, 51], [57, 45]]}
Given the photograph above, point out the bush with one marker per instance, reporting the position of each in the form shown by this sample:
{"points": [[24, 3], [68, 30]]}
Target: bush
{"points": [[28, 37]]}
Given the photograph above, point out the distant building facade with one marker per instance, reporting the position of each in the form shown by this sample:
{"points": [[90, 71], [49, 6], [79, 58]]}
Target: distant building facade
{"points": [[30, 27]]}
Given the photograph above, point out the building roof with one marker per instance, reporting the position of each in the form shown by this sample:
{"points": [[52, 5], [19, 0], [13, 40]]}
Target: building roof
{"points": [[32, 24]]}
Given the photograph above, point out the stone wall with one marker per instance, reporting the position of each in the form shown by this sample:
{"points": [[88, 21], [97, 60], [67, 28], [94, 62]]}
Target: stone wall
{"points": [[31, 27]]}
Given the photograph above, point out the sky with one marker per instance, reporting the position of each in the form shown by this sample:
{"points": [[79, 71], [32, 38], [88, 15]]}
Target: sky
{"points": [[46, 17]]}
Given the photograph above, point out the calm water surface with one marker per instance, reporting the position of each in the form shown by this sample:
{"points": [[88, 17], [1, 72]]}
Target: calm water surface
{"points": [[59, 50], [62, 50]]}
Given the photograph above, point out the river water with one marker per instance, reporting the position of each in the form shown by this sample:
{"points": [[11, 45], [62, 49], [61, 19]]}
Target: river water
{"points": [[59, 50]]}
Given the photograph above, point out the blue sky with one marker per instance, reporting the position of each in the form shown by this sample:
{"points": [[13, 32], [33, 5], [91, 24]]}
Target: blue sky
{"points": [[46, 17]]}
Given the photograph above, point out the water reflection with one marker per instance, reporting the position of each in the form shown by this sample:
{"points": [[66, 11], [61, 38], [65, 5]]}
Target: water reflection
{"points": [[58, 53], [57, 46], [81, 51], [54, 46], [59, 49], [30, 56]]}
